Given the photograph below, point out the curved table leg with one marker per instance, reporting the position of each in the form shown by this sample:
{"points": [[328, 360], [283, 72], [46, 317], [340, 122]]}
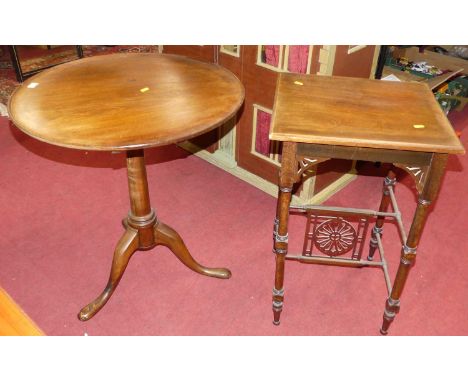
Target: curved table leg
{"points": [[165, 235], [126, 246], [142, 232]]}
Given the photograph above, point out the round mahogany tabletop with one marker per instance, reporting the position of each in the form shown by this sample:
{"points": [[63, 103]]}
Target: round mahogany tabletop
{"points": [[125, 101]]}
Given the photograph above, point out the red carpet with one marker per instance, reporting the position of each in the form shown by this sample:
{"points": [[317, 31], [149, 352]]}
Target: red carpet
{"points": [[61, 219]]}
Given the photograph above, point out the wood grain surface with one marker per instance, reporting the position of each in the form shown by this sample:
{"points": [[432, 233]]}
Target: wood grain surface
{"points": [[360, 112], [13, 321], [125, 101]]}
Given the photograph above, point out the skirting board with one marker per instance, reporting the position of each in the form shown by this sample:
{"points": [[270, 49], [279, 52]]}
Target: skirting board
{"points": [[229, 165]]}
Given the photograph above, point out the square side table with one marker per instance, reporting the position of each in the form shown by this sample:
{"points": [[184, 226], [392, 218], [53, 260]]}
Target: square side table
{"points": [[318, 118]]}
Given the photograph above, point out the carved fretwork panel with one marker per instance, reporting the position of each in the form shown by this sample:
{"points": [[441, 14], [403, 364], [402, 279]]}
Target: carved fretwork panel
{"points": [[307, 166], [334, 236], [418, 173]]}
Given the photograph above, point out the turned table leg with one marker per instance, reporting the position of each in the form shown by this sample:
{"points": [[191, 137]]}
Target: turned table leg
{"points": [[408, 252], [378, 228], [143, 231], [280, 233]]}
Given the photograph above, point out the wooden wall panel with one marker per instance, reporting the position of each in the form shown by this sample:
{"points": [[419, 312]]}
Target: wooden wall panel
{"points": [[330, 171], [357, 64], [315, 65], [260, 85], [235, 65], [204, 53]]}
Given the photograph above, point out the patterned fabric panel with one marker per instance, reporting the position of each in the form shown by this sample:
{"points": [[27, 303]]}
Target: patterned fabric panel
{"points": [[297, 59]]}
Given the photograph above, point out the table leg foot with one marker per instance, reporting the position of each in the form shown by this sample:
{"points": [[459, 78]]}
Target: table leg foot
{"points": [[165, 235], [277, 309], [383, 332], [392, 308], [126, 246]]}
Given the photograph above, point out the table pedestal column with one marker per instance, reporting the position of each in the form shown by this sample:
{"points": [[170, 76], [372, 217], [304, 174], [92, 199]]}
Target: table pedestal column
{"points": [[143, 231]]}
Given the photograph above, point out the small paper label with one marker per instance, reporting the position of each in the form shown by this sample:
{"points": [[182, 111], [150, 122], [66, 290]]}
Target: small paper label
{"points": [[32, 85]]}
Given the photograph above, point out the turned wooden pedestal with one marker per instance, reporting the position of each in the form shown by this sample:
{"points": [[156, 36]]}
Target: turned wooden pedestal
{"points": [[129, 102], [143, 231], [319, 118]]}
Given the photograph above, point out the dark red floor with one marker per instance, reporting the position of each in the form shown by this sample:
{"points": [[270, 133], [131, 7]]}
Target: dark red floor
{"points": [[61, 212]]}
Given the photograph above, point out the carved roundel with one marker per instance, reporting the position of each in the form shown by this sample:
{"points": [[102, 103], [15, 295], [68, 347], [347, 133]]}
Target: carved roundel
{"points": [[335, 237]]}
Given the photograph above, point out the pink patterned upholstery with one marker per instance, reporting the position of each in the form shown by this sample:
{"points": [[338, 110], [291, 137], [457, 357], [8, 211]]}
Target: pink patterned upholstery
{"points": [[272, 54], [298, 57]]}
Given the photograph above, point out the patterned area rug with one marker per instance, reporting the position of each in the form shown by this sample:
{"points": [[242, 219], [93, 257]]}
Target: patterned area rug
{"points": [[8, 81]]}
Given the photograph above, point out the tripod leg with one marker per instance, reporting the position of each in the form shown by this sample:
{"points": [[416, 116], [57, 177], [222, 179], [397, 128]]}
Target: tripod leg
{"points": [[165, 235], [126, 246]]}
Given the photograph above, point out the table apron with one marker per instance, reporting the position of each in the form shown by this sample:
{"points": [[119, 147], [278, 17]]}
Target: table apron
{"points": [[416, 158]]}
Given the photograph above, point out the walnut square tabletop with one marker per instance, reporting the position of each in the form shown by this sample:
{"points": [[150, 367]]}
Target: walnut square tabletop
{"points": [[318, 118], [359, 112]]}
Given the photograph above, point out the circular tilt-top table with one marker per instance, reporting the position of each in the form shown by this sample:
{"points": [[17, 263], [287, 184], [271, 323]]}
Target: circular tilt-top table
{"points": [[129, 102]]}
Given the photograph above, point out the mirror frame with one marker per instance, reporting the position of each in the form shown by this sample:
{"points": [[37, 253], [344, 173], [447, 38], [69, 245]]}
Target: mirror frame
{"points": [[20, 75]]}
